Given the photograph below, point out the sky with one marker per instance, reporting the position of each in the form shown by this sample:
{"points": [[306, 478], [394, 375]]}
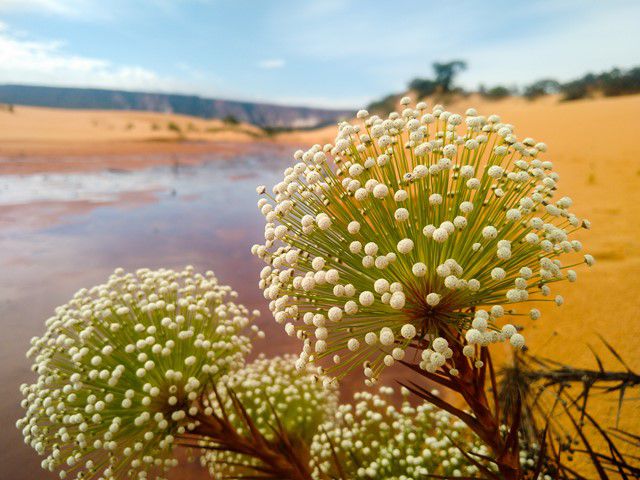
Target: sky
{"points": [[325, 53]]}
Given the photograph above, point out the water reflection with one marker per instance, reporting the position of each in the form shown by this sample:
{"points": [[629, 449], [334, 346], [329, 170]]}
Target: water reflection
{"points": [[61, 232]]}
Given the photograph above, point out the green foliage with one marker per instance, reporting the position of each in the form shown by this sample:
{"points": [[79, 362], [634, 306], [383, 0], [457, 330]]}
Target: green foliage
{"points": [[273, 131], [495, 93], [610, 84], [174, 127], [446, 72], [423, 86], [540, 88], [443, 83], [618, 82], [576, 89]]}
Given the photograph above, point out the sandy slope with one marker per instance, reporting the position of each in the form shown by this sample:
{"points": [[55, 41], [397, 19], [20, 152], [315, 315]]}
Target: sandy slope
{"points": [[51, 132]]}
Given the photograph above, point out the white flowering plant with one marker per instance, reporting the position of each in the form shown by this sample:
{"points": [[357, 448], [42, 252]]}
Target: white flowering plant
{"points": [[415, 239], [372, 438], [122, 366]]}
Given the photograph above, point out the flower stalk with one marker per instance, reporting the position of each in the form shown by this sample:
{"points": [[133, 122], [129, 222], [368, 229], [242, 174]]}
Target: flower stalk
{"points": [[282, 457], [263, 420], [484, 415]]}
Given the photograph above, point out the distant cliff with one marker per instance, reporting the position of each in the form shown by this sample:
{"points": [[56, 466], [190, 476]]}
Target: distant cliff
{"points": [[261, 114]]}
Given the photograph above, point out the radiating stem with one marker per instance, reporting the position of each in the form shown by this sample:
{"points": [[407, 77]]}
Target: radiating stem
{"points": [[470, 383], [285, 461]]}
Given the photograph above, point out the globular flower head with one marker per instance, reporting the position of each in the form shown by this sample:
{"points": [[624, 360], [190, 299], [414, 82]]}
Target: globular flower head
{"points": [[120, 369], [409, 228], [274, 395], [375, 439]]}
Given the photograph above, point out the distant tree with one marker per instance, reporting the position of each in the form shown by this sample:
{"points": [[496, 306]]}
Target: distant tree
{"points": [[575, 89], [271, 131], [423, 86], [612, 83], [542, 87], [496, 93], [617, 82], [446, 72], [174, 127]]}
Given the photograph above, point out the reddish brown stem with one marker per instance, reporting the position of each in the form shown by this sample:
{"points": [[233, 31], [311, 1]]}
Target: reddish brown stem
{"points": [[470, 383], [473, 390], [285, 463]]}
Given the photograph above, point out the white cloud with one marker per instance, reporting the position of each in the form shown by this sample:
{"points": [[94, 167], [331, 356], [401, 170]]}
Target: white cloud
{"points": [[66, 8], [272, 63], [37, 62]]}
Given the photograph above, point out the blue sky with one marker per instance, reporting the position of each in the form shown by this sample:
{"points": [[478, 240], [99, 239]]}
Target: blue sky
{"points": [[323, 53]]}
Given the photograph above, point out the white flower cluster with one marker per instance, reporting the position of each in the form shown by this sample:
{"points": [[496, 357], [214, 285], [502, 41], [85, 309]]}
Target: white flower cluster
{"points": [[273, 392], [417, 226], [374, 439], [120, 369]]}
